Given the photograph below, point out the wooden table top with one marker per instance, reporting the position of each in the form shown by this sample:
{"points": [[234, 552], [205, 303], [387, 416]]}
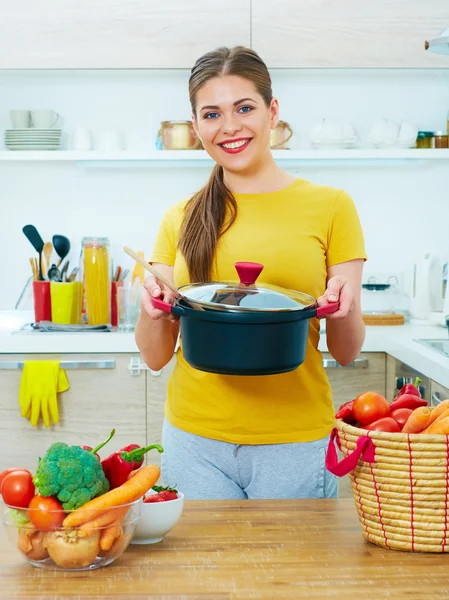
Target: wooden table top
{"points": [[244, 550]]}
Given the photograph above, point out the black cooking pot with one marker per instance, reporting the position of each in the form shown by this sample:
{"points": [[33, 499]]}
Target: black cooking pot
{"points": [[243, 328]]}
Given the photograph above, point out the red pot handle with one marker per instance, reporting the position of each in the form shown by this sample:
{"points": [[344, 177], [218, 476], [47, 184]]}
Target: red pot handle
{"points": [[365, 448], [322, 311], [248, 272], [161, 305]]}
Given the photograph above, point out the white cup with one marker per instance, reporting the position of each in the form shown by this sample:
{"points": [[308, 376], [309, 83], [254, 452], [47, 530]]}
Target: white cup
{"points": [[44, 119], [21, 119], [81, 139], [111, 141]]}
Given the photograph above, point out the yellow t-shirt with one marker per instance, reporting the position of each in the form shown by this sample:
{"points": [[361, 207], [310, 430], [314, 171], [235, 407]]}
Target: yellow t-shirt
{"points": [[296, 233]]}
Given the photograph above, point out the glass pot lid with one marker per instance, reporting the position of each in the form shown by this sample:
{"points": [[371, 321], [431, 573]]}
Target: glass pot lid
{"points": [[246, 295]]}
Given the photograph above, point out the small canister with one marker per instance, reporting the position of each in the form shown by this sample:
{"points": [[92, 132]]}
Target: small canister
{"points": [[178, 135], [440, 139], [424, 139]]}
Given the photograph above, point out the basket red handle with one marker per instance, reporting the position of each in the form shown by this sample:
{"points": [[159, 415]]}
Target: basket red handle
{"points": [[364, 448]]}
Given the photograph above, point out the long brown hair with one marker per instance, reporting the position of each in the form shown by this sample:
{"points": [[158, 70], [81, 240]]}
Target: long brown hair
{"points": [[213, 210]]}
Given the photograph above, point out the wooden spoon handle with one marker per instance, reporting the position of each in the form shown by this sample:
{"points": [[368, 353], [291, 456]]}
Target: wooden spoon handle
{"points": [[152, 270]]}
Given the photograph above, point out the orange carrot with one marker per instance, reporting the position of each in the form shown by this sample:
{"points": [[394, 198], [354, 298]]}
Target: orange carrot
{"points": [[108, 536], [439, 427], [438, 411], [437, 420], [418, 420], [105, 519], [131, 490]]}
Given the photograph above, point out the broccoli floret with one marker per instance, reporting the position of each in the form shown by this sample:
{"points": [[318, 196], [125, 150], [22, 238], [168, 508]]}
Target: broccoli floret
{"points": [[71, 474]]}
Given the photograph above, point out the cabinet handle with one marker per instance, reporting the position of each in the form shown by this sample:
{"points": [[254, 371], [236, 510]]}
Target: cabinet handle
{"points": [[436, 399], [136, 366], [65, 364], [358, 363]]}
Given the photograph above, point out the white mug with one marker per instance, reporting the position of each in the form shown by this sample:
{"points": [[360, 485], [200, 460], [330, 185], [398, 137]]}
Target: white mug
{"points": [[21, 119], [44, 119], [81, 139], [111, 141]]}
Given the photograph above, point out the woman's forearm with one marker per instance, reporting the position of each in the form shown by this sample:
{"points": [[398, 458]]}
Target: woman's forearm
{"points": [[345, 337], [156, 340]]}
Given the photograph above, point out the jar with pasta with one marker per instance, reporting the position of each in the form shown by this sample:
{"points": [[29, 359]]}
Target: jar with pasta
{"points": [[95, 267]]}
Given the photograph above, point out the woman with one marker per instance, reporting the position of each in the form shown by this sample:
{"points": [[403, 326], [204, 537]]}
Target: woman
{"points": [[229, 437]]}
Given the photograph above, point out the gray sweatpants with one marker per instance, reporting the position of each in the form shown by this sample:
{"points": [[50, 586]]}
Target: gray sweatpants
{"points": [[206, 469]]}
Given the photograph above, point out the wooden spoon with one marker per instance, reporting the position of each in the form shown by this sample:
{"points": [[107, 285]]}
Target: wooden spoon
{"points": [[47, 252], [160, 277]]}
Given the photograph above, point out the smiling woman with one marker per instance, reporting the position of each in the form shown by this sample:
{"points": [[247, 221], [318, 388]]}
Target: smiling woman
{"points": [[251, 436]]}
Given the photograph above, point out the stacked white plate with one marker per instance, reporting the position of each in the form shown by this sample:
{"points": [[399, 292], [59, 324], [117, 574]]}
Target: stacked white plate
{"points": [[33, 139]]}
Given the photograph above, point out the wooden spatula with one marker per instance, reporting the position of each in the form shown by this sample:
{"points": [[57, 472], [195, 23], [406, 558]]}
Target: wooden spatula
{"points": [[159, 276]]}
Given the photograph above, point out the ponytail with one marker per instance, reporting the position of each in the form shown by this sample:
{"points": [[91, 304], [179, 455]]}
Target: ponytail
{"points": [[209, 214]]}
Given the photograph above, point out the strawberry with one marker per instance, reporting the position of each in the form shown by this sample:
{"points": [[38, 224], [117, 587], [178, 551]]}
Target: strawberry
{"points": [[163, 494]]}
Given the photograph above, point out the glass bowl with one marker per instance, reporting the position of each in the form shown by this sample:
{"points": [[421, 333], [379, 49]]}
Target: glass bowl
{"points": [[69, 549]]}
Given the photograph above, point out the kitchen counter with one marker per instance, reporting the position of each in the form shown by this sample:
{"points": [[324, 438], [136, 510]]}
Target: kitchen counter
{"points": [[396, 341], [255, 549]]}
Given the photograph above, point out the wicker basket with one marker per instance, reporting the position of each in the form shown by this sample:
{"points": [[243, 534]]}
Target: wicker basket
{"points": [[400, 484]]}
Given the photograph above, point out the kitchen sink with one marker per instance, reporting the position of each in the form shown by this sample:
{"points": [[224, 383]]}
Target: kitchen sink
{"points": [[441, 346]]}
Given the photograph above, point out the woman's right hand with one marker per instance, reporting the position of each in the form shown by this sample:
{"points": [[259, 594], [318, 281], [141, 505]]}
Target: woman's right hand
{"points": [[152, 288]]}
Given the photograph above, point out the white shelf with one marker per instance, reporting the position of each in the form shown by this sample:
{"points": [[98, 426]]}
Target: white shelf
{"points": [[200, 156]]}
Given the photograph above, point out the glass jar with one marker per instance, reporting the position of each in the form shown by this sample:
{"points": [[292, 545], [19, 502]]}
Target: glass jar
{"points": [[376, 299], [424, 139], [280, 135], [440, 139], [95, 273], [178, 135]]}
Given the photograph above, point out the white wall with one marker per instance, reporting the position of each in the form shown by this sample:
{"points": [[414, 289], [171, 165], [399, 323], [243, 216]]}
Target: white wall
{"points": [[403, 207]]}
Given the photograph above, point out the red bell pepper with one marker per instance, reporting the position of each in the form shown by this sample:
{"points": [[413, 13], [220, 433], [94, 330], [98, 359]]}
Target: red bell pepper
{"points": [[410, 388], [345, 412], [407, 401], [118, 465], [100, 446]]}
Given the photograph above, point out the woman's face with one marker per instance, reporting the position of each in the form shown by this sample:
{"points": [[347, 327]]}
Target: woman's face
{"points": [[233, 122]]}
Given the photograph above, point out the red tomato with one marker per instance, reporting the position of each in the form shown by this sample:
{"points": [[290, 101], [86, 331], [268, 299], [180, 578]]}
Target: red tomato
{"points": [[18, 489], [6, 472], [386, 424], [369, 407], [46, 513], [401, 415]]}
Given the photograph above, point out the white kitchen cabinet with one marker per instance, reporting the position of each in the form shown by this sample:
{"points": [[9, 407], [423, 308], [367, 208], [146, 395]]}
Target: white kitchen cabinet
{"points": [[438, 393], [348, 33], [98, 401], [112, 34]]}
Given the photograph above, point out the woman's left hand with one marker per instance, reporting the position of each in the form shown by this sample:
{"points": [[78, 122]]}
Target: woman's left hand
{"points": [[338, 289]]}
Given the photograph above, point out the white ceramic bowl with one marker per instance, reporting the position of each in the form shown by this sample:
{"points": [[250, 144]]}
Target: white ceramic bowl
{"points": [[157, 519]]}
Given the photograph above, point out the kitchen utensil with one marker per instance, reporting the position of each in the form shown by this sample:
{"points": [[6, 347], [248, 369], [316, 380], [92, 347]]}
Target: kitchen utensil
{"points": [[37, 242], [124, 274], [171, 286], [54, 274], [61, 245], [73, 274], [47, 252], [253, 329], [34, 269], [64, 271]]}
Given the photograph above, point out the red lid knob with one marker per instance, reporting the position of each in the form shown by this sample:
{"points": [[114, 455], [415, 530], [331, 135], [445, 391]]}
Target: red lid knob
{"points": [[248, 272]]}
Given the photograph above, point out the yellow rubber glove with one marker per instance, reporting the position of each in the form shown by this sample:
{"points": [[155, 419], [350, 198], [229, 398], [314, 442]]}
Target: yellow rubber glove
{"points": [[41, 381]]}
